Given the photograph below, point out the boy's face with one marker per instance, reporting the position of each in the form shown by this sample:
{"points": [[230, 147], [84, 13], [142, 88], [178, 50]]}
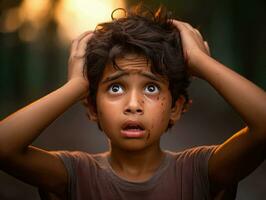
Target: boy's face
{"points": [[133, 104]]}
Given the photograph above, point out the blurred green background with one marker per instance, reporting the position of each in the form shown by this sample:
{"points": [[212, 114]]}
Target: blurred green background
{"points": [[33, 58], [34, 40]]}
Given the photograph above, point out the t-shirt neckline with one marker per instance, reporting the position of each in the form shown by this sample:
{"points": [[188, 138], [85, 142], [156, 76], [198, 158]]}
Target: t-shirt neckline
{"points": [[139, 186]]}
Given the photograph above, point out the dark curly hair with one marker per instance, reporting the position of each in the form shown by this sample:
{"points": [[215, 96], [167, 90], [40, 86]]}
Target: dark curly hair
{"points": [[142, 32]]}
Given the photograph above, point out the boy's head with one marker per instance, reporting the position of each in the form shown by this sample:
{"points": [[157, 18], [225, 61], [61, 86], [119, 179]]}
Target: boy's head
{"points": [[143, 34]]}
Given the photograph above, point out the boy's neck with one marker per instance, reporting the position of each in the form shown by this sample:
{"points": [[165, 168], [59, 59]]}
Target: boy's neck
{"points": [[136, 165]]}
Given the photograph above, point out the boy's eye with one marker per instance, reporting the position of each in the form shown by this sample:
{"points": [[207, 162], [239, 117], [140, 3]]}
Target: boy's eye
{"points": [[115, 89], [152, 89]]}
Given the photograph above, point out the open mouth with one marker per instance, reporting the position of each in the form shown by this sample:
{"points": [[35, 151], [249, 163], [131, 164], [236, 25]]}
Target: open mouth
{"points": [[133, 129]]}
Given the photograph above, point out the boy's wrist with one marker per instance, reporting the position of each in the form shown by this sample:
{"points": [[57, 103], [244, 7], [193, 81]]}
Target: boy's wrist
{"points": [[81, 86], [197, 62]]}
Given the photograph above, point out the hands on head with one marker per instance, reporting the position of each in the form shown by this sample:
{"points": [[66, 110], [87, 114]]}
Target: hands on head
{"points": [[192, 42], [77, 60]]}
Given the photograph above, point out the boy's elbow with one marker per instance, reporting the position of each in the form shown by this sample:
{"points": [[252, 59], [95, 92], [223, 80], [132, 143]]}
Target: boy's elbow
{"points": [[8, 145], [259, 135], [6, 152]]}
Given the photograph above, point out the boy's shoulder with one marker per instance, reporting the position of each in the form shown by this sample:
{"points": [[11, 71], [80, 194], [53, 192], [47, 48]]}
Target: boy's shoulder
{"points": [[193, 152], [81, 158]]}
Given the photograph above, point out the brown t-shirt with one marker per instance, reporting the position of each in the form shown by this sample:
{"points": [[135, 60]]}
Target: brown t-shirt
{"points": [[181, 176]]}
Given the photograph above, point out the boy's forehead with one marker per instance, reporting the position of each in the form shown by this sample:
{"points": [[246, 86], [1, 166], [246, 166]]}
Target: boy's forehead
{"points": [[131, 63]]}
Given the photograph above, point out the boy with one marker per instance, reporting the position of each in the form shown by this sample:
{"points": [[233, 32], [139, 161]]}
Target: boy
{"points": [[137, 92]]}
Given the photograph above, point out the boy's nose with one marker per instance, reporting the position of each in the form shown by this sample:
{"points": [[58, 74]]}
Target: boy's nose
{"points": [[133, 104]]}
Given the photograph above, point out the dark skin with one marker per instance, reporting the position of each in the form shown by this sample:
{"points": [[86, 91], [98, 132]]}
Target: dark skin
{"points": [[232, 161], [134, 93]]}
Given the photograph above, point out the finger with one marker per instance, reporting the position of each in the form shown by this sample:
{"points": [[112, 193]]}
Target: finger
{"points": [[80, 37], [191, 28], [198, 33], [76, 41], [183, 26], [86, 36], [207, 47], [80, 46], [179, 25], [83, 41]]}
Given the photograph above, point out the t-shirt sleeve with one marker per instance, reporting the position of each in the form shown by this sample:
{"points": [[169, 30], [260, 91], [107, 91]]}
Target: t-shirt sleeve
{"points": [[200, 162], [71, 161], [192, 167], [195, 168]]}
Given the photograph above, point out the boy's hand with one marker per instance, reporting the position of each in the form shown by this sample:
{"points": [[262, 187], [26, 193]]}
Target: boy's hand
{"points": [[76, 60], [192, 42]]}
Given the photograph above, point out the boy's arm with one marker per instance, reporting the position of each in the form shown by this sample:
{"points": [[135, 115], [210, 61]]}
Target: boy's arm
{"points": [[244, 151], [32, 165]]}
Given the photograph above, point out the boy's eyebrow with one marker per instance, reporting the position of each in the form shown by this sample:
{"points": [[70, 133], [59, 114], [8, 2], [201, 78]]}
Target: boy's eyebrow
{"points": [[115, 76], [150, 76], [118, 74]]}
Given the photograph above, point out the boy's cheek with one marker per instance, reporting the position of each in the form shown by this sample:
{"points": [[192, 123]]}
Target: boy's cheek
{"points": [[161, 119], [107, 119], [162, 122]]}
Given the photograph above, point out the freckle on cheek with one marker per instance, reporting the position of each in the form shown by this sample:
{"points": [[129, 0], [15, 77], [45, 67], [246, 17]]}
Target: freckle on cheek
{"points": [[141, 101]]}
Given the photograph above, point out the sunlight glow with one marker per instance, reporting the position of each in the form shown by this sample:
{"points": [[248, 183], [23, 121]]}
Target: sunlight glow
{"points": [[72, 17], [34, 14], [12, 20], [27, 19], [77, 16], [35, 11]]}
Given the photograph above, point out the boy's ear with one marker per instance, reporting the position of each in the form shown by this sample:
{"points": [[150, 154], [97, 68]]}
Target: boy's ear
{"points": [[177, 109], [91, 111]]}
